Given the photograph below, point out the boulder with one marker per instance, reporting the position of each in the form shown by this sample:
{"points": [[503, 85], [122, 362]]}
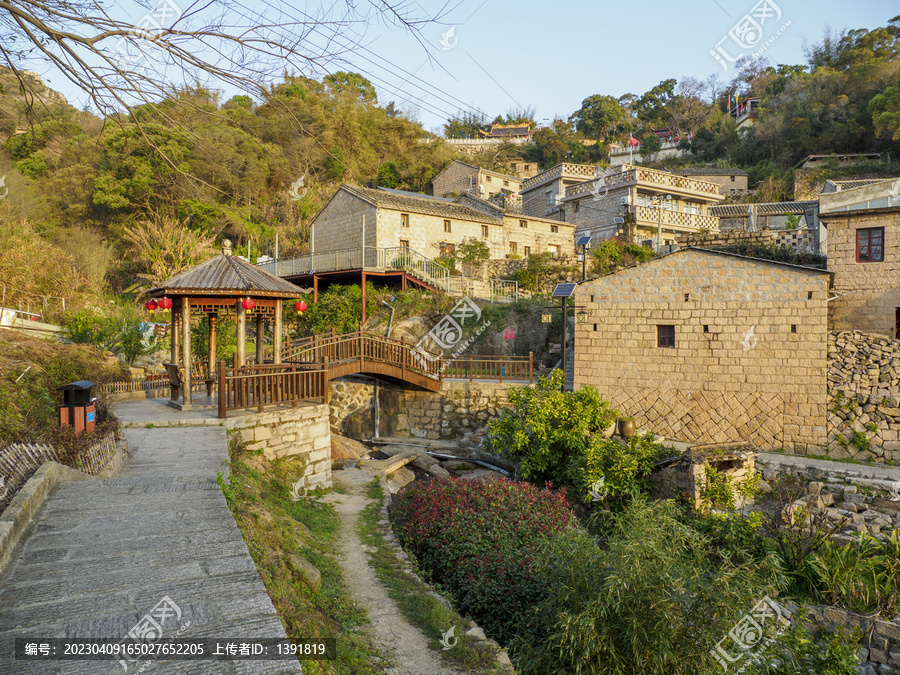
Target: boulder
{"points": [[307, 572], [346, 448]]}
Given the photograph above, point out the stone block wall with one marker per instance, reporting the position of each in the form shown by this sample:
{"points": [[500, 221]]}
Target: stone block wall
{"points": [[864, 391], [339, 225], [870, 291], [458, 411], [749, 361], [301, 434], [728, 238], [881, 644]]}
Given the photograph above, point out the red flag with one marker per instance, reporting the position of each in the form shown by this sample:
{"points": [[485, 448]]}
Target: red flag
{"points": [[633, 140]]}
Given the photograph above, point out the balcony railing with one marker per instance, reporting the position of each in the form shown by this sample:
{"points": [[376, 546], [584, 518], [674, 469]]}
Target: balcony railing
{"points": [[648, 177], [559, 171], [674, 219]]}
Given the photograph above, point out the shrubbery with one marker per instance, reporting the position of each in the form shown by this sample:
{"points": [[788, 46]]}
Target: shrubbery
{"points": [[124, 332], [477, 539]]}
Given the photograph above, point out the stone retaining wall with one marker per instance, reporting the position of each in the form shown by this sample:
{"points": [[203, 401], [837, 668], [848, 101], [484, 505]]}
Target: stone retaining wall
{"points": [[864, 392], [301, 434], [881, 643], [458, 411]]}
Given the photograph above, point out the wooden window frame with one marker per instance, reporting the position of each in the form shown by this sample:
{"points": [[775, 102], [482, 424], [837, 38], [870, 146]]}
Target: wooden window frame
{"points": [[869, 231], [665, 336], [448, 226], [404, 220]]}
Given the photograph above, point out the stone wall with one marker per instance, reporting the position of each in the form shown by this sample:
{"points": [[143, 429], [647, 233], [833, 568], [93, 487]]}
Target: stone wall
{"points": [[749, 360], [301, 434], [728, 238], [864, 390], [881, 644], [339, 225], [457, 412], [870, 291]]}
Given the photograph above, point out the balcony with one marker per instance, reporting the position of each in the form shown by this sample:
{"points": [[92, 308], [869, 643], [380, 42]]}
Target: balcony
{"points": [[653, 180], [580, 171], [674, 220]]}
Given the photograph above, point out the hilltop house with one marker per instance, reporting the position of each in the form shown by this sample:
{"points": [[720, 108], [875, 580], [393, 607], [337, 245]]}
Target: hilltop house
{"points": [[542, 193], [863, 225], [508, 131], [656, 199], [432, 227], [710, 347], [461, 178]]}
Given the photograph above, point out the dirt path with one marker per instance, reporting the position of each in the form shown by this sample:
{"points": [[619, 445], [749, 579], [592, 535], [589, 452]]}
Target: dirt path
{"points": [[393, 635]]}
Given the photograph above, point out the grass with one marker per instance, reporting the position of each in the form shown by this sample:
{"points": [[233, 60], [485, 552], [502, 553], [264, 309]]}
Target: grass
{"points": [[274, 527], [417, 600]]}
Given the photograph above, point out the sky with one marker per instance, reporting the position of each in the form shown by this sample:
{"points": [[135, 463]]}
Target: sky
{"points": [[492, 56]]}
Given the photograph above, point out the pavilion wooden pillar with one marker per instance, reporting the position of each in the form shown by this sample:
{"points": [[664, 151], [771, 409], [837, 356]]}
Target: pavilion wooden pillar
{"points": [[241, 353], [213, 328], [186, 348], [260, 337], [363, 274], [315, 288], [276, 337], [173, 337]]}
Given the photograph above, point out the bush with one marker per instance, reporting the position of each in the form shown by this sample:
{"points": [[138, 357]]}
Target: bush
{"points": [[863, 576], [124, 333], [476, 538], [613, 254], [656, 602]]}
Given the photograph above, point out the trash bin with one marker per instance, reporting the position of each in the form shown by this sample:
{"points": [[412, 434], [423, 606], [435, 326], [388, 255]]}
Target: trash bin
{"points": [[77, 409]]}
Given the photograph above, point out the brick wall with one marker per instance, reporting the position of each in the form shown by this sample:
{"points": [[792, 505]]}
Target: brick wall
{"points": [[339, 225], [454, 180], [727, 238], [872, 288], [301, 435], [709, 388], [426, 232]]}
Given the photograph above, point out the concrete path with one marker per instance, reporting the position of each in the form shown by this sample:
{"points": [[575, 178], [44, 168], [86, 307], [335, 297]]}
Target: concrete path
{"points": [[102, 554]]}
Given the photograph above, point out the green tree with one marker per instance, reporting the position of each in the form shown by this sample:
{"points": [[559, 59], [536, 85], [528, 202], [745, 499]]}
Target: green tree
{"points": [[353, 83], [388, 175], [602, 117], [885, 111], [653, 107], [651, 144], [473, 251]]}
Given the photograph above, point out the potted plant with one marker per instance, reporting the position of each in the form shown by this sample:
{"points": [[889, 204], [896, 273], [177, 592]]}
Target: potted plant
{"points": [[627, 427]]}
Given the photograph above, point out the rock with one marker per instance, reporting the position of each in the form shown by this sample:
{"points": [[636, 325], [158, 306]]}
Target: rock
{"points": [[854, 497], [826, 498], [438, 471], [763, 487], [458, 465], [851, 489], [476, 633], [503, 658], [347, 448], [815, 488], [400, 479], [307, 572], [849, 507]]}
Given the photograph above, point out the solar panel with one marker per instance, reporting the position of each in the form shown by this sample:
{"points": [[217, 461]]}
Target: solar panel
{"points": [[618, 221], [564, 290], [584, 240]]}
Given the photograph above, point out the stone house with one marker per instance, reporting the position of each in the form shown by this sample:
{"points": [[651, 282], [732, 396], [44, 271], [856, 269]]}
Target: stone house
{"points": [[710, 347], [863, 227], [461, 178], [542, 194], [730, 181], [432, 227], [678, 204]]}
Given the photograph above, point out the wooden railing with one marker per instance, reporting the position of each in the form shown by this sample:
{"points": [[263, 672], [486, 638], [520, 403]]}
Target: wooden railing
{"points": [[258, 386], [475, 367]]}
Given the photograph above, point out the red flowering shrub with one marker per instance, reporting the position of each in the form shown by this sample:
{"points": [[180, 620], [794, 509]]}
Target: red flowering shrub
{"points": [[478, 540]]}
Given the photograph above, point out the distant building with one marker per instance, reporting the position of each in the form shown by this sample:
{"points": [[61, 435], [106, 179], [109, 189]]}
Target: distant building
{"points": [[507, 131], [730, 181], [769, 215], [432, 227], [709, 347], [620, 155], [542, 194], [656, 199], [461, 178], [523, 169], [863, 225], [744, 112], [818, 161]]}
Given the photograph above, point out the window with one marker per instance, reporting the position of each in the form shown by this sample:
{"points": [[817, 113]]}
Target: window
{"points": [[575, 209], [527, 251], [705, 328], [487, 179], [513, 247], [404, 243], [732, 179], [809, 295], [555, 228], [870, 244], [793, 328], [506, 183], [554, 250], [548, 197], [687, 297], [526, 167], [665, 336], [404, 220], [692, 208], [523, 223], [484, 231], [447, 227]]}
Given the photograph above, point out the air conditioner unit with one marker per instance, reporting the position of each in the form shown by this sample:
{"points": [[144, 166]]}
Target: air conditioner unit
{"points": [[625, 200]]}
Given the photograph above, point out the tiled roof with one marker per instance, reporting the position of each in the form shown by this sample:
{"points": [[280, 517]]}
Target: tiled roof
{"points": [[832, 186], [511, 130], [413, 194], [694, 171], [770, 209], [228, 273], [423, 204]]}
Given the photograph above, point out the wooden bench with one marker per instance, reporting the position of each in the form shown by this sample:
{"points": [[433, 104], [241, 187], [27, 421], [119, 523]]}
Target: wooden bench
{"points": [[175, 371]]}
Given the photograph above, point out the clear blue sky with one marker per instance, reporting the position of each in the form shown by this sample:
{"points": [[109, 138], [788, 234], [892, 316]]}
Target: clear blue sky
{"points": [[550, 55]]}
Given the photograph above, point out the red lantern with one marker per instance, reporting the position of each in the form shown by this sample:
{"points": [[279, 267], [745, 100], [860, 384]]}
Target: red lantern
{"points": [[151, 305], [165, 303], [248, 303], [300, 306]]}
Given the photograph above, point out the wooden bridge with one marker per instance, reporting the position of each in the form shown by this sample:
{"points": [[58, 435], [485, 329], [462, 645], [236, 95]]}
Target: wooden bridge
{"points": [[309, 363]]}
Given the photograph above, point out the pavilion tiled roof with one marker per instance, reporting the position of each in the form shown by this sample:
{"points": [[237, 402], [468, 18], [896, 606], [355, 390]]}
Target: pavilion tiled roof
{"points": [[227, 273]]}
